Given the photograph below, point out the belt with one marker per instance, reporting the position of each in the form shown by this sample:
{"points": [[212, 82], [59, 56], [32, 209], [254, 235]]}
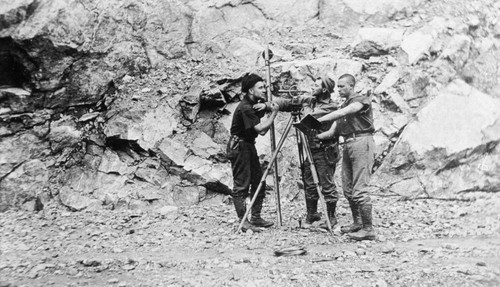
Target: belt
{"points": [[353, 136], [240, 139], [322, 146]]}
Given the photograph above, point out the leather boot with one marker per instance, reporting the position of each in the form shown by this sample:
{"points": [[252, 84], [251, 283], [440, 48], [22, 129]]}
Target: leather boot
{"points": [[356, 225], [330, 208], [240, 206], [367, 232], [312, 211], [257, 220]]}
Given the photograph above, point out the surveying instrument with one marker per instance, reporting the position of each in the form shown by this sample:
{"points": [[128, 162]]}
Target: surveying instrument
{"points": [[303, 127]]}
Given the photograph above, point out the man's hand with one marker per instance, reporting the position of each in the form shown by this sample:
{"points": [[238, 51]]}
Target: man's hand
{"points": [[313, 134], [259, 107], [275, 107], [323, 135]]}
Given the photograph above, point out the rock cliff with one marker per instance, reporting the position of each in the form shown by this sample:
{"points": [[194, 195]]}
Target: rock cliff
{"points": [[127, 104]]}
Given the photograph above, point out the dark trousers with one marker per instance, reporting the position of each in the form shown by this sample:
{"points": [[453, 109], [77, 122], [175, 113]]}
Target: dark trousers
{"points": [[247, 172], [325, 173]]}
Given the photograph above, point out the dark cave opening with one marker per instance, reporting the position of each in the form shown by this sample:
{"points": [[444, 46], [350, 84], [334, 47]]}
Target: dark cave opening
{"points": [[15, 65]]}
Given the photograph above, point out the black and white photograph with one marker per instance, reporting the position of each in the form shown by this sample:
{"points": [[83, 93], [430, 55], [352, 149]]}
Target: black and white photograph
{"points": [[249, 143]]}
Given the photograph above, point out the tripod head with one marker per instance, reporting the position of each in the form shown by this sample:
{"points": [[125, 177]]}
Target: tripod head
{"points": [[296, 105], [292, 91]]}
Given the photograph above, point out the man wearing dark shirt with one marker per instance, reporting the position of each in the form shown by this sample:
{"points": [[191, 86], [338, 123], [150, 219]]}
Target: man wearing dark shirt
{"points": [[354, 122], [247, 173]]}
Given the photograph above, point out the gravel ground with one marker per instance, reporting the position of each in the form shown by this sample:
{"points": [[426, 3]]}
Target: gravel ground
{"points": [[420, 243]]}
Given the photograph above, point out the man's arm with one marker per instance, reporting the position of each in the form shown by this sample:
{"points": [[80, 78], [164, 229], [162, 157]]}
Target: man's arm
{"points": [[340, 113], [285, 105], [329, 133], [264, 126]]}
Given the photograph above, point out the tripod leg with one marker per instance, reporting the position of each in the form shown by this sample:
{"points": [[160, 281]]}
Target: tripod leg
{"points": [[301, 166], [301, 156], [262, 180], [316, 180]]}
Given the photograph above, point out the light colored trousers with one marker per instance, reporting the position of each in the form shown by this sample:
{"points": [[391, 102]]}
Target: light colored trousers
{"points": [[357, 162]]}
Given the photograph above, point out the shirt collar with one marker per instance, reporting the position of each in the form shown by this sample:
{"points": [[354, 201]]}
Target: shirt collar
{"points": [[247, 98]]}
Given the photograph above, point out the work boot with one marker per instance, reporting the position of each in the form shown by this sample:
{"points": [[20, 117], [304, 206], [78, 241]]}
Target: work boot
{"points": [[248, 226], [330, 208], [240, 206], [356, 225], [312, 212], [257, 220], [367, 232]]}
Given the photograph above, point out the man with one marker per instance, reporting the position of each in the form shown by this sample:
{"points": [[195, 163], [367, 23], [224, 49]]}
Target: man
{"points": [[354, 122], [247, 173], [324, 152]]}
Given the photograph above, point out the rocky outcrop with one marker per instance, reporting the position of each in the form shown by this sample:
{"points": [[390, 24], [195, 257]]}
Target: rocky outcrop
{"points": [[451, 148], [387, 8], [376, 41], [419, 42], [128, 104]]}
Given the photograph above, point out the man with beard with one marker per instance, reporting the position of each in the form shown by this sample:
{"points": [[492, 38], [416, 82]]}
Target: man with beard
{"points": [[247, 172], [324, 152], [354, 122]]}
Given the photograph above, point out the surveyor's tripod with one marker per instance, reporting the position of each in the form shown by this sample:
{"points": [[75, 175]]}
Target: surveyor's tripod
{"points": [[303, 146]]}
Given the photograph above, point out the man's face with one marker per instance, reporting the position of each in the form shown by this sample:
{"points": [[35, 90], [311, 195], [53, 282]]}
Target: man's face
{"points": [[317, 89], [344, 87], [258, 90]]}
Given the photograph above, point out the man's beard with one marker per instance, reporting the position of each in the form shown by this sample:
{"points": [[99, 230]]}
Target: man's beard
{"points": [[320, 95]]}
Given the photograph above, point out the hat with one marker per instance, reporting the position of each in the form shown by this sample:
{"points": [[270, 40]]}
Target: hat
{"points": [[249, 81], [328, 84]]}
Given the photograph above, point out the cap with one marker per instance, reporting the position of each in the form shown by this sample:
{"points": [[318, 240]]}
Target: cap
{"points": [[249, 81]]}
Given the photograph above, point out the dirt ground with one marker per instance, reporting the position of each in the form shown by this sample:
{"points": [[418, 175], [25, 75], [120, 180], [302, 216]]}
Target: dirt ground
{"points": [[421, 242]]}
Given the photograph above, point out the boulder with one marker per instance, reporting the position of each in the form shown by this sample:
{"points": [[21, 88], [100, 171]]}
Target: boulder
{"points": [[64, 134], [376, 41], [389, 80], [452, 147], [24, 183], [111, 163], [144, 125], [388, 38], [16, 99], [74, 200], [457, 50], [419, 42], [168, 212], [367, 49], [188, 195], [19, 149], [193, 153], [483, 73]]}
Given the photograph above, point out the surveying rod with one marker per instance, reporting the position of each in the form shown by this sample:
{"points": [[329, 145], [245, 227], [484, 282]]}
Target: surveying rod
{"points": [[267, 56]]}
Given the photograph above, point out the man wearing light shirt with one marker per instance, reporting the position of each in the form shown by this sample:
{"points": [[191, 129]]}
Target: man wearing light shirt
{"points": [[354, 122]]}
